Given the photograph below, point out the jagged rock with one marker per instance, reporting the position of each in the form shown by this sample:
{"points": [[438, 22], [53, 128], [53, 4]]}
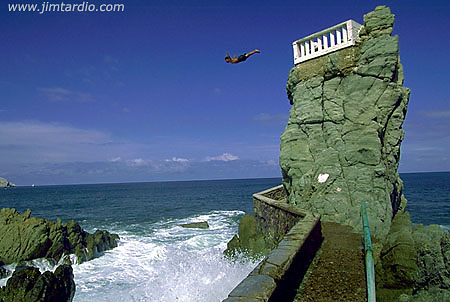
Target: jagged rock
{"points": [[346, 123], [250, 240], [378, 23], [29, 285], [396, 270], [5, 184], [25, 238], [3, 271], [414, 263], [397, 267], [431, 295], [196, 225], [433, 255]]}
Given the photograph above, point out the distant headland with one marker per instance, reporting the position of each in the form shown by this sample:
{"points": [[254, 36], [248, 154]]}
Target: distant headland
{"points": [[4, 183]]}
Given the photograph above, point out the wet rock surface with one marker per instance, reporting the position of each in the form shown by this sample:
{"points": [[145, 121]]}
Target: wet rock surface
{"points": [[3, 272], [25, 238], [250, 240], [196, 225], [28, 284]]}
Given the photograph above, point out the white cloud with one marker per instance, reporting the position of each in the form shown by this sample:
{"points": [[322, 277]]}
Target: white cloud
{"points": [[32, 141], [437, 114], [424, 148], [271, 119], [124, 171], [32, 133], [138, 162], [115, 159], [177, 160], [223, 157], [110, 59], [271, 162], [59, 94]]}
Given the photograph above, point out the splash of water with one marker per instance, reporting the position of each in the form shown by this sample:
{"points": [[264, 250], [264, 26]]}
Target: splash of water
{"points": [[168, 263]]}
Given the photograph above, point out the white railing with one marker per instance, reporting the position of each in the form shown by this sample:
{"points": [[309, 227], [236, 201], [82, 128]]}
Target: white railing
{"points": [[326, 41]]}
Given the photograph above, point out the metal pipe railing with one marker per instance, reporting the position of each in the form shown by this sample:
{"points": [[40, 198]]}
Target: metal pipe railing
{"points": [[370, 273]]}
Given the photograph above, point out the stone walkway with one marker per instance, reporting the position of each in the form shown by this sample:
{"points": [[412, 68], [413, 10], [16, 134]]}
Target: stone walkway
{"points": [[337, 273]]}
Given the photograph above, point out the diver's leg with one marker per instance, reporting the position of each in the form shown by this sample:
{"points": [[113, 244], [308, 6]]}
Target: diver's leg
{"points": [[252, 53]]}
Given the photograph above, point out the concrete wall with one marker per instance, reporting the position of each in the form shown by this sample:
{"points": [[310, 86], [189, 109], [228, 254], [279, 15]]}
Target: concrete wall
{"points": [[277, 277]]}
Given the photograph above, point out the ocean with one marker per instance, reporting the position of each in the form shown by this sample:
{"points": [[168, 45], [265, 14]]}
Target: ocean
{"points": [[157, 260]]}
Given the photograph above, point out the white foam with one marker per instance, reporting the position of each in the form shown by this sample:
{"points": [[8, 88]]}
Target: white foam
{"points": [[168, 263], [41, 263]]}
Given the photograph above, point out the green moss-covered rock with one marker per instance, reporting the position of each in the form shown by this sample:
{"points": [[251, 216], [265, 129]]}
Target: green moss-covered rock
{"points": [[250, 242], [378, 23], [430, 295], [29, 285], [3, 272], [346, 120], [396, 270], [25, 238], [433, 251], [398, 257], [99, 242], [196, 225], [414, 263]]}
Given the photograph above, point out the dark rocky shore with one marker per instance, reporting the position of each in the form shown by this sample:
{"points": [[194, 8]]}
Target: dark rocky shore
{"points": [[28, 285], [24, 238]]}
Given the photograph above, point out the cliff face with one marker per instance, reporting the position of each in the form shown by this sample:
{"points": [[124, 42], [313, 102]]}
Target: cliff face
{"points": [[342, 142]]}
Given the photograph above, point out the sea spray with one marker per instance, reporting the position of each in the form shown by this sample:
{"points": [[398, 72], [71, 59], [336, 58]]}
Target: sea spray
{"points": [[166, 263]]}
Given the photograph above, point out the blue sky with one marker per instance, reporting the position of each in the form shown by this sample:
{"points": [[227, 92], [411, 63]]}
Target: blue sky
{"points": [[145, 94]]}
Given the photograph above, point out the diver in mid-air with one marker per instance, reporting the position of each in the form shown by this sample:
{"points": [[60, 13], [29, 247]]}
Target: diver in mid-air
{"points": [[241, 58]]}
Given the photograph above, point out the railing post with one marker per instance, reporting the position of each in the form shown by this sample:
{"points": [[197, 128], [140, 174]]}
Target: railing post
{"points": [[325, 41], [350, 29], [319, 43], [344, 33], [338, 36], [370, 273], [296, 49], [332, 39]]}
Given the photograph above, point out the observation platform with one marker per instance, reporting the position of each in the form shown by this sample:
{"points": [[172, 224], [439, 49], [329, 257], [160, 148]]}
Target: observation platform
{"points": [[326, 41]]}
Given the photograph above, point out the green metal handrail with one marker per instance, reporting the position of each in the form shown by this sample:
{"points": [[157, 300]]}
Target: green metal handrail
{"points": [[370, 273]]}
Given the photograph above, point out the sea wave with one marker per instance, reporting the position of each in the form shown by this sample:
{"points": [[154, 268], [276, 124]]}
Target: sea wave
{"points": [[167, 263], [42, 264]]}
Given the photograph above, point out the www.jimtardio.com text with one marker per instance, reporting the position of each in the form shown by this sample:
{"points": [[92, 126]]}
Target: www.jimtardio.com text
{"points": [[65, 7]]}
